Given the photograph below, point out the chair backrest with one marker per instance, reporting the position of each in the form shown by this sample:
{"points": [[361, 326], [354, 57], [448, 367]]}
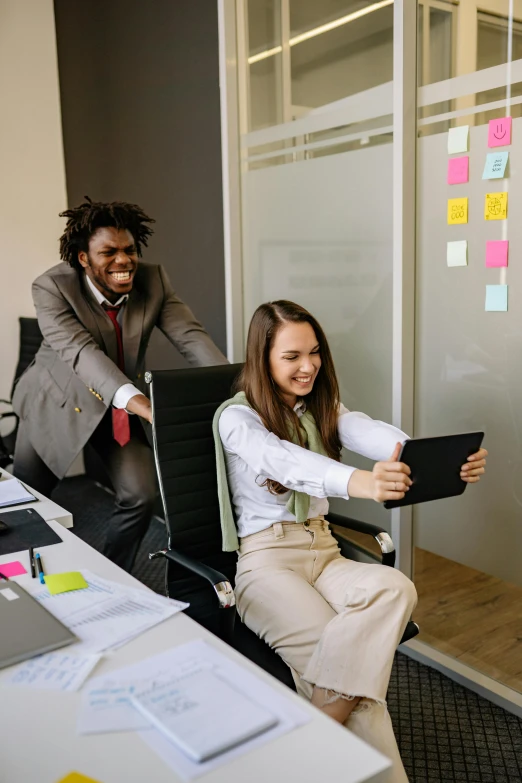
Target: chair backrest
{"points": [[30, 341], [184, 403]]}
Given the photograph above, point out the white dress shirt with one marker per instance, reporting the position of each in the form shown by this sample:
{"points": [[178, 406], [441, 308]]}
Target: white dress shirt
{"points": [[253, 454], [124, 393]]}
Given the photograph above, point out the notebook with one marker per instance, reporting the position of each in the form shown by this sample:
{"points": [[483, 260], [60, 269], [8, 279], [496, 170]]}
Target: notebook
{"points": [[12, 493], [27, 628], [203, 714]]}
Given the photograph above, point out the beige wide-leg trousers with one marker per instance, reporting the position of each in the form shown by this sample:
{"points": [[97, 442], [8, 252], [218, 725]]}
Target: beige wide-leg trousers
{"points": [[335, 622]]}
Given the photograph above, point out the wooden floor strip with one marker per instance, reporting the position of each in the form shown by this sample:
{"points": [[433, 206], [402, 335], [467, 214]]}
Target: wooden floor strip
{"points": [[465, 613]]}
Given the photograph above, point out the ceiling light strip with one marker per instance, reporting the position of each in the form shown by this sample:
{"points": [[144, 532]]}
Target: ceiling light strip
{"points": [[324, 28]]}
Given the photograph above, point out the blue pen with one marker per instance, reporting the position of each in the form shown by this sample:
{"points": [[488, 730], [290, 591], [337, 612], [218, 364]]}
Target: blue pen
{"points": [[39, 567]]}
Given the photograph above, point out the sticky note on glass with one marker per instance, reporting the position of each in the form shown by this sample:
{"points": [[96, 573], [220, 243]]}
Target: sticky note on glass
{"points": [[495, 167], [64, 583], [495, 206], [499, 132], [457, 253], [76, 777], [497, 253], [496, 298], [458, 170], [457, 211], [458, 139], [15, 568]]}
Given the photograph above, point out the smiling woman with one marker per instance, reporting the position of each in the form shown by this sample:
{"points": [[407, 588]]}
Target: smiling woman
{"points": [[335, 622]]}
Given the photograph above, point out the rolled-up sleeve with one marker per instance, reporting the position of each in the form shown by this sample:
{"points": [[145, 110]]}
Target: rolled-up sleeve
{"points": [[243, 433], [366, 436]]}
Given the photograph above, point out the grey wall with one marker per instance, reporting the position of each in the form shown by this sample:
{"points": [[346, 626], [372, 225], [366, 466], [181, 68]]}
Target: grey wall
{"points": [[139, 90]]}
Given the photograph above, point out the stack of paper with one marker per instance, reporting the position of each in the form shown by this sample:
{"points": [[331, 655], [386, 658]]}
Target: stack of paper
{"points": [[108, 703], [106, 614], [12, 493]]}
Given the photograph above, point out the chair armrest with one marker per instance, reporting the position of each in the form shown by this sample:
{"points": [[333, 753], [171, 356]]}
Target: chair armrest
{"points": [[381, 536], [220, 583]]}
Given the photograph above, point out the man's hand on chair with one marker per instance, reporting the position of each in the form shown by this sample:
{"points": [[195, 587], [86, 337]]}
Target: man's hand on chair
{"points": [[140, 405]]}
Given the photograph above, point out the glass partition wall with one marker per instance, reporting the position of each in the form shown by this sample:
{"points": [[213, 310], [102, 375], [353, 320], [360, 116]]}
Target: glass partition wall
{"points": [[468, 372], [310, 116]]}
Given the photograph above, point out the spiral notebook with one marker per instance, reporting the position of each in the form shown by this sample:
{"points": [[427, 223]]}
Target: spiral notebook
{"points": [[203, 714]]}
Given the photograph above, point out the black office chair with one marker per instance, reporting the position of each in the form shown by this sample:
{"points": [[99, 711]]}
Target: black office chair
{"points": [[197, 570], [30, 341]]}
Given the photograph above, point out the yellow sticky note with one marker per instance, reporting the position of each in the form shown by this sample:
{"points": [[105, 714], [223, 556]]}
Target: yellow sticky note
{"points": [[457, 210], [63, 583], [495, 206], [77, 777]]}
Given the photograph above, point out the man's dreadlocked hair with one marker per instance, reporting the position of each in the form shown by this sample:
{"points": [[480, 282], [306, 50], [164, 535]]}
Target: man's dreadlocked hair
{"points": [[84, 220]]}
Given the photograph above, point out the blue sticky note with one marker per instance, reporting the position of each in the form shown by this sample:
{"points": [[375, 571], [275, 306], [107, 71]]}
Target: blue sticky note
{"points": [[495, 167], [496, 298]]}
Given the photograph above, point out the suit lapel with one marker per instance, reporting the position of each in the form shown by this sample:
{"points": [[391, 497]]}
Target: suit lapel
{"points": [[132, 329], [100, 323]]}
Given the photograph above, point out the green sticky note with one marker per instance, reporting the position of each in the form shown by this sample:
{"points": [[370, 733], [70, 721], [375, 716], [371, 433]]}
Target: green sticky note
{"points": [[63, 583]]}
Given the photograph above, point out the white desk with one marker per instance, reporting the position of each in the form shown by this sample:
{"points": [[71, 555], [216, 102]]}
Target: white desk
{"points": [[45, 507], [38, 740]]}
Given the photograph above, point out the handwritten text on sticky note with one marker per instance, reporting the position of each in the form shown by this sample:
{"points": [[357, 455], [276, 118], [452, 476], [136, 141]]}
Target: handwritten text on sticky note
{"points": [[495, 166], [457, 210], [457, 253], [499, 132], [63, 583], [496, 298], [495, 206], [458, 170], [497, 253], [458, 139]]}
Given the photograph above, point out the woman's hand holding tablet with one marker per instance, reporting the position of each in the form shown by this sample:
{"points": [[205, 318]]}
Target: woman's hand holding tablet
{"points": [[389, 480], [475, 466]]}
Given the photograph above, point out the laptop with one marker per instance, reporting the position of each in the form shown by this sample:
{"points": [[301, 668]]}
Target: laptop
{"points": [[27, 628]]}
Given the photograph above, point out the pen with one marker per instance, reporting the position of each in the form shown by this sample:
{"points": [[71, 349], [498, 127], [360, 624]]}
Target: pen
{"points": [[39, 567], [31, 561]]}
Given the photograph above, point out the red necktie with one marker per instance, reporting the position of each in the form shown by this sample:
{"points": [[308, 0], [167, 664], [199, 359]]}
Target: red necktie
{"points": [[120, 417]]}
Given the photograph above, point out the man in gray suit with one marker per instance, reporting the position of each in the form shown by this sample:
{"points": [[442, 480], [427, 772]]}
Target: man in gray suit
{"points": [[96, 311]]}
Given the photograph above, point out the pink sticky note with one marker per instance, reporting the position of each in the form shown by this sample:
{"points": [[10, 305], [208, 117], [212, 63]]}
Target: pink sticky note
{"points": [[499, 133], [458, 170], [15, 568], [497, 253]]}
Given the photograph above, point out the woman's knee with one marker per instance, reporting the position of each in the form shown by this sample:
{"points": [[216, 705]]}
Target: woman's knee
{"points": [[401, 588]]}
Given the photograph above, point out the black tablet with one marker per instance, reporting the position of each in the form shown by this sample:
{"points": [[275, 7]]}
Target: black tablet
{"points": [[435, 465]]}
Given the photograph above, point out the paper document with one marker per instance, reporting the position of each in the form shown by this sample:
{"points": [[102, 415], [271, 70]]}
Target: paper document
{"points": [[203, 714], [106, 614], [12, 493], [107, 702], [55, 671]]}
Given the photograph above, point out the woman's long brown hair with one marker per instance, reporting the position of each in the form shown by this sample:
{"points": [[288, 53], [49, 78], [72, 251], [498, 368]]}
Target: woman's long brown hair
{"points": [[264, 396]]}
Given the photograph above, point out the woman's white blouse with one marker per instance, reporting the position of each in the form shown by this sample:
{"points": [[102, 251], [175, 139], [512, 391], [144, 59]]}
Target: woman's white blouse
{"points": [[254, 454]]}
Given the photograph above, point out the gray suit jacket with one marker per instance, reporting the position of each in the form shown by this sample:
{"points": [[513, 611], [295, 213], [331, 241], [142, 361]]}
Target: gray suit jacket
{"points": [[65, 392]]}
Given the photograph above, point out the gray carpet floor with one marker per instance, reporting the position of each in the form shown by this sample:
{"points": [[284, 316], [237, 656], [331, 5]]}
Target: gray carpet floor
{"points": [[445, 732]]}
